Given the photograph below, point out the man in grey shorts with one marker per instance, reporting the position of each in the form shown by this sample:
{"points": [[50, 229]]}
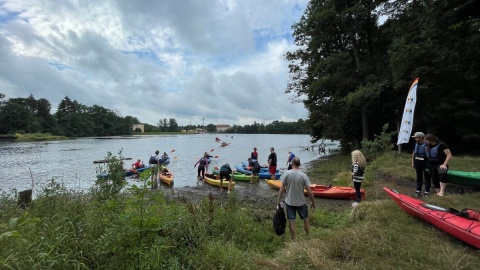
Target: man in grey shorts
{"points": [[294, 182]]}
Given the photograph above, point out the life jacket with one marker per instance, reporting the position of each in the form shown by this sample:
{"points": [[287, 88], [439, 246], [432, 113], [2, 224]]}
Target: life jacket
{"points": [[152, 160], [420, 150], [203, 161], [254, 155], [225, 168], [432, 154]]}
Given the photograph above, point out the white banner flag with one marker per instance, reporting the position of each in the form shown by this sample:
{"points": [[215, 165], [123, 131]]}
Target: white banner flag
{"points": [[407, 119]]}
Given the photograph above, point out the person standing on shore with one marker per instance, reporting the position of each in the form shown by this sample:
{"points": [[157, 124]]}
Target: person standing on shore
{"points": [[272, 163], [358, 173], [255, 169], [419, 163], [438, 155], [289, 160], [226, 172], [294, 182]]}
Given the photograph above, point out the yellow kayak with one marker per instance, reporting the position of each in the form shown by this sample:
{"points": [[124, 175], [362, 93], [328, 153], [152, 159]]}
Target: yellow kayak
{"points": [[214, 181], [276, 184], [166, 176]]}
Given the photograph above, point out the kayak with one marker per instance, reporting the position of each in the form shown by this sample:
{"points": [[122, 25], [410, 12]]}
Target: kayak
{"points": [[212, 180], [238, 176], [463, 178], [166, 176], [464, 225], [323, 191], [261, 174], [335, 192]]}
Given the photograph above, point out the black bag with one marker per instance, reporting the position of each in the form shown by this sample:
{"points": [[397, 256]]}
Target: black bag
{"points": [[279, 220], [152, 160]]}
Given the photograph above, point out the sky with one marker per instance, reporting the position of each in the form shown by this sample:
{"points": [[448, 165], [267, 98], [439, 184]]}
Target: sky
{"points": [[198, 61]]}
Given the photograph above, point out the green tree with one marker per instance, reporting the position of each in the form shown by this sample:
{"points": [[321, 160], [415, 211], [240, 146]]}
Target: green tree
{"points": [[14, 116], [172, 125]]}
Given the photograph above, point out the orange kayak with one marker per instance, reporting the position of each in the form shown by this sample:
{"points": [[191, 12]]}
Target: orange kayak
{"points": [[166, 176], [331, 192]]}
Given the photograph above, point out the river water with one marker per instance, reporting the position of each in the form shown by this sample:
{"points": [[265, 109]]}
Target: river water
{"points": [[27, 164]]}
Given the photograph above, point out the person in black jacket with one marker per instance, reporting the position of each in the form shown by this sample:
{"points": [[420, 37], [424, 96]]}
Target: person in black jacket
{"points": [[226, 172], [255, 168]]}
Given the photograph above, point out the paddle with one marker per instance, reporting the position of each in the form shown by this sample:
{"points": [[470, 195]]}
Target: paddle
{"points": [[213, 149], [172, 151]]}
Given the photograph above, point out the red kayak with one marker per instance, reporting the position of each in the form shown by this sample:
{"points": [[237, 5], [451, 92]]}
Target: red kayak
{"points": [[335, 192], [331, 192], [464, 225]]}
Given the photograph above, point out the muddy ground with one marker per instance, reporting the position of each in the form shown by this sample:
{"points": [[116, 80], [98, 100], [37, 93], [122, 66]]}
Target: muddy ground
{"points": [[263, 198]]}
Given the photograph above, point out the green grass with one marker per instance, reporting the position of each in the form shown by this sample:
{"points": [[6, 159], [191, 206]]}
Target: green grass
{"points": [[140, 229], [33, 137]]}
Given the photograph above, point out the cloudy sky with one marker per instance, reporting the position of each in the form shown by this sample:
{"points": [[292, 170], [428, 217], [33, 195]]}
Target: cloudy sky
{"points": [[218, 60]]}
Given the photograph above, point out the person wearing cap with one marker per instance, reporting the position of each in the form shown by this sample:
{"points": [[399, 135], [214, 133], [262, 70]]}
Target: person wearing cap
{"points": [[419, 163], [295, 182], [438, 155], [254, 154]]}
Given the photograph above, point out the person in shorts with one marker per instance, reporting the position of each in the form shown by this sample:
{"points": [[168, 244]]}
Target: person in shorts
{"points": [[255, 168], [226, 172], [294, 182]]}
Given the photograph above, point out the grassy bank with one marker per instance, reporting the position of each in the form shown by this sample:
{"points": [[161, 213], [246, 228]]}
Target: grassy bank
{"points": [[34, 137], [140, 229]]}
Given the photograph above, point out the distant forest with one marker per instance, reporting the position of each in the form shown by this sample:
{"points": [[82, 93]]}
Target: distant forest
{"points": [[72, 119]]}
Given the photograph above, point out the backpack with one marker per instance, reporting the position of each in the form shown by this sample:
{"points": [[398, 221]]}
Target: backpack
{"points": [[152, 160], [203, 161], [279, 220]]}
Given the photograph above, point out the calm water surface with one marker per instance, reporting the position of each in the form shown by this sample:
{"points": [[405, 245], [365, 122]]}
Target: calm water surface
{"points": [[24, 164]]}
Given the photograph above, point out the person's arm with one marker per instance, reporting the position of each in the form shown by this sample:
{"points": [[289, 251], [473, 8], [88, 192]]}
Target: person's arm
{"points": [[194, 166], [413, 159], [280, 193], [310, 195], [449, 157]]}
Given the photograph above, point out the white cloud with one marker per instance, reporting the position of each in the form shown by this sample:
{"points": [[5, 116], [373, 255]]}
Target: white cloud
{"points": [[222, 60]]}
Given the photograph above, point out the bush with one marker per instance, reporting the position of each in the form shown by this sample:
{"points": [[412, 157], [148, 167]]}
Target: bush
{"points": [[380, 144]]}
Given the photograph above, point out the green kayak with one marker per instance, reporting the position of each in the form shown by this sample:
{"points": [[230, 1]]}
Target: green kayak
{"points": [[238, 176], [463, 178]]}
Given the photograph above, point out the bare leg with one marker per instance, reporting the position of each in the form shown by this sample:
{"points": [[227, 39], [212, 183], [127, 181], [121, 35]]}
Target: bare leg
{"points": [[221, 183], [293, 229], [229, 186], [306, 226], [443, 186]]}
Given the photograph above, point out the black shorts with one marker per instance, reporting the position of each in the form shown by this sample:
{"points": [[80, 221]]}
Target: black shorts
{"points": [[225, 175], [255, 170]]}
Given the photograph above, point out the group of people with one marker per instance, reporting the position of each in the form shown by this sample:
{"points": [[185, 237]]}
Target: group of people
{"points": [[430, 160], [156, 162]]}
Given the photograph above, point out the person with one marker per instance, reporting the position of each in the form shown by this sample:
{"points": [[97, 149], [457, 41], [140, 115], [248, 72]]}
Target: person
{"points": [[202, 163], [254, 154], [289, 160], [255, 168], [272, 163], [358, 173], [163, 158], [155, 162], [419, 163], [226, 172], [294, 182], [438, 155], [138, 164]]}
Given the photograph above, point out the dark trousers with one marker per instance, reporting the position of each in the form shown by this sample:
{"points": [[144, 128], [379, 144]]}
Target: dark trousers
{"points": [[357, 186], [422, 174], [201, 171], [437, 175]]}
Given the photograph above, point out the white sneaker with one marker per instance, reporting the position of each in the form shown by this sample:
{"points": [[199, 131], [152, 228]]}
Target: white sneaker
{"points": [[354, 204]]}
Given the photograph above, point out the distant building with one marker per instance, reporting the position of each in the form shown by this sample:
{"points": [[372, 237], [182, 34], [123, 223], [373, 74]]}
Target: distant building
{"points": [[140, 126], [200, 130], [222, 128]]}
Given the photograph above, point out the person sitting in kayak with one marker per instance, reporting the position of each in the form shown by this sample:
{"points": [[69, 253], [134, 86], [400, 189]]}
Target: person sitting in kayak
{"points": [[138, 164], [164, 157]]}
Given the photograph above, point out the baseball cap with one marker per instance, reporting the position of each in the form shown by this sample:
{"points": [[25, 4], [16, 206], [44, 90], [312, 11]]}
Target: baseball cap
{"points": [[418, 135]]}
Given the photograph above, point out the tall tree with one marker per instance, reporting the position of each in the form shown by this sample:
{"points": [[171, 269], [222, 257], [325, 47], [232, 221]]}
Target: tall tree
{"points": [[336, 67]]}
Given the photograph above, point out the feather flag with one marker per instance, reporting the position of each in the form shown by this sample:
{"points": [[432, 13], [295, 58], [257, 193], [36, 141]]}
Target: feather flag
{"points": [[407, 119]]}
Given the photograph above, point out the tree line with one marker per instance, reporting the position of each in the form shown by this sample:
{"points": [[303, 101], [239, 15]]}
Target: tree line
{"points": [[355, 70], [73, 119]]}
